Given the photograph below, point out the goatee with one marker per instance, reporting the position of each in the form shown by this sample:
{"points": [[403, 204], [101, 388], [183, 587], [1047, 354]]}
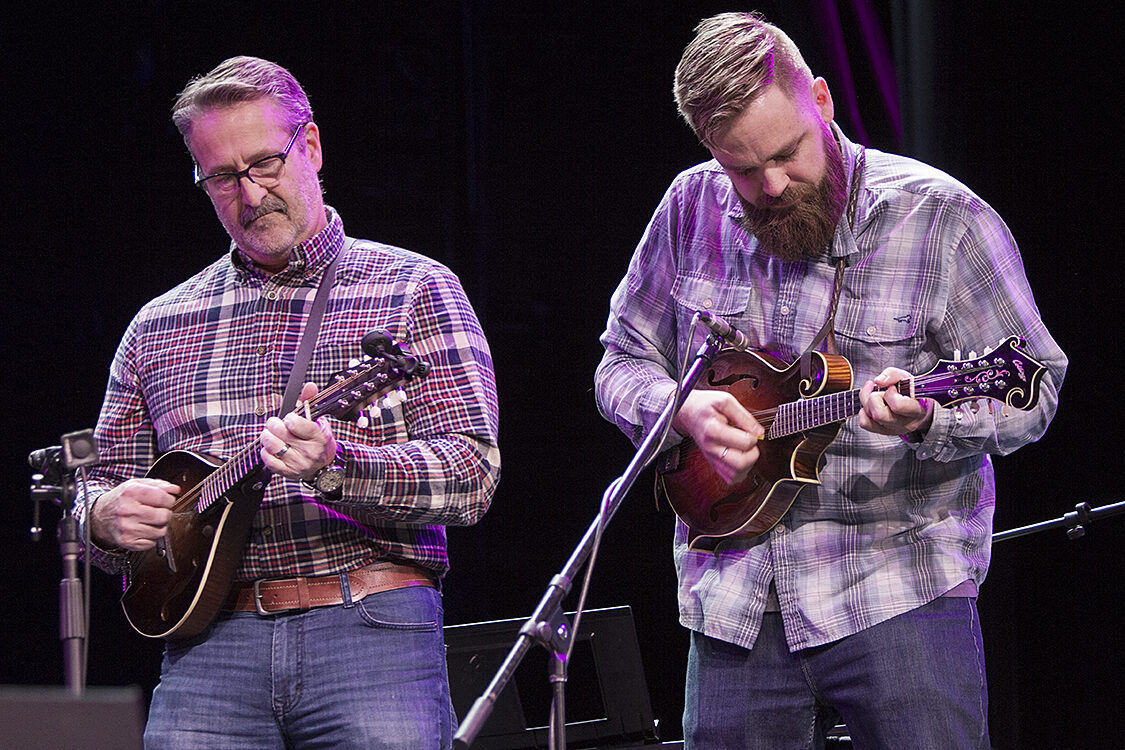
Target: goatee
{"points": [[799, 223]]}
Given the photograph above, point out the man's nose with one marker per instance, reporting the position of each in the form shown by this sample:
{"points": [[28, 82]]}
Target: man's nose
{"points": [[774, 181], [252, 192]]}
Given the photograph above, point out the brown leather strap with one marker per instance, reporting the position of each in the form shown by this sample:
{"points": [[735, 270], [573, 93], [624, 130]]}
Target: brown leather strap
{"points": [[268, 596], [827, 332]]}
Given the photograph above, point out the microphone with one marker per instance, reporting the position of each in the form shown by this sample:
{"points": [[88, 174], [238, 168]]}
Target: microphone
{"points": [[377, 343], [44, 459], [724, 330]]}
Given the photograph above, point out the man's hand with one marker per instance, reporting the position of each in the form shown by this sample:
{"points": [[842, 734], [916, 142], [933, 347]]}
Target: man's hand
{"points": [[296, 447], [889, 412], [134, 514], [725, 432]]}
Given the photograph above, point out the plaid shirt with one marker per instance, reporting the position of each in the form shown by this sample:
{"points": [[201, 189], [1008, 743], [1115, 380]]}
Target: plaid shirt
{"points": [[931, 269], [203, 366]]}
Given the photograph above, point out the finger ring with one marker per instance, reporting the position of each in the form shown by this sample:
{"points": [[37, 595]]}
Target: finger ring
{"points": [[723, 455], [281, 452]]}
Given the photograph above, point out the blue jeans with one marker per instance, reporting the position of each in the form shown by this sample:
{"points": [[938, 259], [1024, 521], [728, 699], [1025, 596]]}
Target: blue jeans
{"points": [[370, 674], [915, 681]]}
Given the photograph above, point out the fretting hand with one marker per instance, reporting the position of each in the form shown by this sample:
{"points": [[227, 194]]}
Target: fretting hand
{"points": [[297, 447], [889, 412]]}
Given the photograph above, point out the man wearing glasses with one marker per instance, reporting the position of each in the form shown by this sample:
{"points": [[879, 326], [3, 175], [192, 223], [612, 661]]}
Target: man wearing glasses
{"points": [[349, 542]]}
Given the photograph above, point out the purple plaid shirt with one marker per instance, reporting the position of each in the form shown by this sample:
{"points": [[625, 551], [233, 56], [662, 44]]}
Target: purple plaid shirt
{"points": [[203, 366], [932, 269]]}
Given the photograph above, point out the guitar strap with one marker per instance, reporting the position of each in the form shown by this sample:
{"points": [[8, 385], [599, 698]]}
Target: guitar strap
{"points": [[308, 337], [827, 331]]}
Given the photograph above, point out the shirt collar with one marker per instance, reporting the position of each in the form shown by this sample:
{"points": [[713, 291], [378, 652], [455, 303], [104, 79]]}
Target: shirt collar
{"points": [[843, 243], [306, 259]]}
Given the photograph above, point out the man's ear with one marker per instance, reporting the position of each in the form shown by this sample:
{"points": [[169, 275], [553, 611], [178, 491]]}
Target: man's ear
{"points": [[312, 145], [822, 99]]}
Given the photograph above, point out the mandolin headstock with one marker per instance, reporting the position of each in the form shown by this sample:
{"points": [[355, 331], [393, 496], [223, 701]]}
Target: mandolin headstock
{"points": [[383, 369], [1006, 373]]}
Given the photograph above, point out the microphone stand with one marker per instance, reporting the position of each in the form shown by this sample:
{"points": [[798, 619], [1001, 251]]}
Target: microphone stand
{"points": [[55, 481], [72, 619], [1075, 522], [547, 625]]}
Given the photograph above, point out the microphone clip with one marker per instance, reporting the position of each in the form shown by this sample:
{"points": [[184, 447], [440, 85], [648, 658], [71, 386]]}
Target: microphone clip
{"points": [[54, 468], [730, 335]]}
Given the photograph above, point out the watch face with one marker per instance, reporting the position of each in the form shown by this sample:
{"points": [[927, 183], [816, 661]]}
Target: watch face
{"points": [[330, 480]]}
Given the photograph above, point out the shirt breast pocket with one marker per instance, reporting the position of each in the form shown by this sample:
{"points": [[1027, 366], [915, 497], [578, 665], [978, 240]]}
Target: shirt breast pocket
{"points": [[877, 335], [730, 301]]}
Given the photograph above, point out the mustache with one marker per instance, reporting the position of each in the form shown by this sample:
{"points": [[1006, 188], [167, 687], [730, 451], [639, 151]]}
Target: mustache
{"points": [[269, 205], [773, 208]]}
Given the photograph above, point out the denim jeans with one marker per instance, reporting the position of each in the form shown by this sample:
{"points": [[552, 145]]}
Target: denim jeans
{"points": [[915, 681], [370, 674]]}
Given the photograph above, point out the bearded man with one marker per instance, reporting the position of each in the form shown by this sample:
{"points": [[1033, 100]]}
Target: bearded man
{"points": [[860, 602]]}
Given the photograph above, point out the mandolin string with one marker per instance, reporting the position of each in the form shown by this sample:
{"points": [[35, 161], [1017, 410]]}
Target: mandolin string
{"points": [[243, 462], [184, 501], [240, 464], [319, 408], [767, 417]]}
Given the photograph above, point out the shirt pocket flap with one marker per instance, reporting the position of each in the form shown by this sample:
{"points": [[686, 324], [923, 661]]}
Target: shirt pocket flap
{"points": [[721, 298], [870, 321]]}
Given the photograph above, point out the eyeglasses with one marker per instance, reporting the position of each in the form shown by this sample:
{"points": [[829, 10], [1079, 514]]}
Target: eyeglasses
{"points": [[265, 172]]}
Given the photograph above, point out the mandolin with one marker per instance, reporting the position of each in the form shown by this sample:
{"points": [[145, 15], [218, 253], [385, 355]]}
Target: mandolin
{"points": [[802, 417], [175, 590]]}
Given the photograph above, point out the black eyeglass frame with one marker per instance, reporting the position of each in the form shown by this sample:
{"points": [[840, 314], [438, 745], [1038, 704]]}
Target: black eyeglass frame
{"points": [[201, 182]]}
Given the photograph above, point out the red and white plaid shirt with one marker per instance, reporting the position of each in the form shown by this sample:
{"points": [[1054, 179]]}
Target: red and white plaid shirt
{"points": [[203, 366]]}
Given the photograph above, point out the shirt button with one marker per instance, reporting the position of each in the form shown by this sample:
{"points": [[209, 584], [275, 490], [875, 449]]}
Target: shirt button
{"points": [[260, 410], [267, 531], [779, 529], [262, 350], [271, 294], [785, 309], [872, 330], [707, 303]]}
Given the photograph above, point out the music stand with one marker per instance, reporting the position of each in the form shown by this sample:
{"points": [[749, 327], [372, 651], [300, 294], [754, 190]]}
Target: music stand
{"points": [[609, 701]]}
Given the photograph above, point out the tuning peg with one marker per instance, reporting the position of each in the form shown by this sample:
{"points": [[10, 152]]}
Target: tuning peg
{"points": [[393, 398]]}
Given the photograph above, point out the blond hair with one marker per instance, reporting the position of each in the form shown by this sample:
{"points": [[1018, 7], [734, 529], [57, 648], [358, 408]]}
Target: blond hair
{"points": [[729, 63]]}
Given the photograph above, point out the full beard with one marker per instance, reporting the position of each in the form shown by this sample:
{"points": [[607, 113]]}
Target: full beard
{"points": [[803, 227]]}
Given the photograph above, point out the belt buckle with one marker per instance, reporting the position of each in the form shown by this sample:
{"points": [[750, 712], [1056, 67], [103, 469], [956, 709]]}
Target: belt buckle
{"points": [[258, 598]]}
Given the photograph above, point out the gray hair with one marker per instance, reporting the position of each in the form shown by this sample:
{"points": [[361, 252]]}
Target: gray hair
{"points": [[729, 63], [237, 80]]}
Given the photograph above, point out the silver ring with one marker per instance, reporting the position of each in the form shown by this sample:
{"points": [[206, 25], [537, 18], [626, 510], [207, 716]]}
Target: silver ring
{"points": [[723, 455], [281, 452]]}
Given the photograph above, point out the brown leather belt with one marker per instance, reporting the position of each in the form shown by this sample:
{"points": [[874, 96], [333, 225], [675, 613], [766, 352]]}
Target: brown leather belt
{"points": [[270, 596]]}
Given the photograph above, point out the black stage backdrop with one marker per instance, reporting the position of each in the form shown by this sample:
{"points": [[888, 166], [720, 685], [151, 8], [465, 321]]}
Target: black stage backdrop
{"points": [[525, 146]]}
